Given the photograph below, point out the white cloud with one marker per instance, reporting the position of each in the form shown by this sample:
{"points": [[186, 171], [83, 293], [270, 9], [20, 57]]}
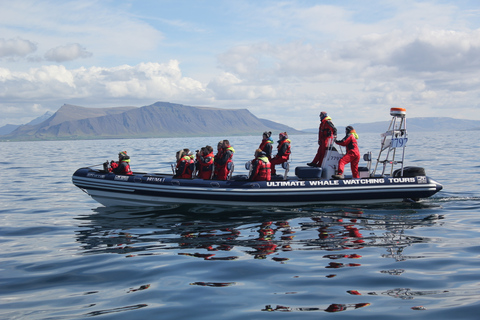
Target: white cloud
{"points": [[16, 47], [282, 60], [108, 30], [67, 53], [146, 80]]}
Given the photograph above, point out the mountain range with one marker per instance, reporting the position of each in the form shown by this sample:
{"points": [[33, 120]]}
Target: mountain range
{"points": [[164, 119], [161, 119]]}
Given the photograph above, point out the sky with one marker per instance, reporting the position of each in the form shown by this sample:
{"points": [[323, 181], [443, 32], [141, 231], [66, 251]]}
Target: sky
{"points": [[282, 60]]}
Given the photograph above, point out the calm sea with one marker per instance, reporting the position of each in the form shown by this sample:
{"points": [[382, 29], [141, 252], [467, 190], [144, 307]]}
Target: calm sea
{"points": [[63, 256]]}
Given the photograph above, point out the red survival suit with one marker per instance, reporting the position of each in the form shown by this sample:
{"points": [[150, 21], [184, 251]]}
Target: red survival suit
{"points": [[326, 134], [283, 154], [222, 159], [353, 153]]}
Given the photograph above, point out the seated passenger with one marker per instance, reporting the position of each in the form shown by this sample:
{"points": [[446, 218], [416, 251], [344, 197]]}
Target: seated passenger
{"points": [[284, 150], [223, 159], [185, 164], [204, 163], [267, 144], [261, 170], [122, 166]]}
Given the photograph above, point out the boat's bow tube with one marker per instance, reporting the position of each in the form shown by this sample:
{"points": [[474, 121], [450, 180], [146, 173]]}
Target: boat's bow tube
{"points": [[157, 189]]}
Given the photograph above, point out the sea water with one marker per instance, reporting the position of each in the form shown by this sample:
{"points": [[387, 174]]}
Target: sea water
{"points": [[64, 256]]}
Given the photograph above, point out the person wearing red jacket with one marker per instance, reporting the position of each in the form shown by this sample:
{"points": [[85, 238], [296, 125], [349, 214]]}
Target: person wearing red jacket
{"points": [[284, 151], [267, 144], [352, 156], [205, 162], [326, 134], [222, 160], [122, 166], [185, 164], [261, 168]]}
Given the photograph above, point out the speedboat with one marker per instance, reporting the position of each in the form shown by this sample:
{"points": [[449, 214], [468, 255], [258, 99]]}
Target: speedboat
{"points": [[388, 181]]}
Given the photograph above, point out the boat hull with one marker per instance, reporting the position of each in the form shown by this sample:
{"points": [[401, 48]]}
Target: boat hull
{"points": [[160, 189]]}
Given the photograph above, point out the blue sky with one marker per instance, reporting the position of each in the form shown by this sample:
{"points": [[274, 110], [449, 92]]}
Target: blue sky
{"points": [[283, 60]]}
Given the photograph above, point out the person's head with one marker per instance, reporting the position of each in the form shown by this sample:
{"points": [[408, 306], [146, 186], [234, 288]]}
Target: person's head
{"points": [[323, 115], [226, 143], [282, 135], [208, 149], [348, 129], [122, 155], [267, 135], [258, 153], [220, 144], [179, 155]]}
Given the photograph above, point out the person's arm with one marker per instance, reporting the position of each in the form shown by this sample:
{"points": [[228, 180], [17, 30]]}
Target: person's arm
{"points": [[342, 142], [332, 126], [268, 150], [254, 169]]}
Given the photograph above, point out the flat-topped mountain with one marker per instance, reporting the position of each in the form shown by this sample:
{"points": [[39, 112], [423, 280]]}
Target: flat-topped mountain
{"points": [[161, 119]]}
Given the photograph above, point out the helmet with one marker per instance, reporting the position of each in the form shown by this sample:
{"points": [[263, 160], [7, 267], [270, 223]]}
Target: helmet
{"points": [[323, 115]]}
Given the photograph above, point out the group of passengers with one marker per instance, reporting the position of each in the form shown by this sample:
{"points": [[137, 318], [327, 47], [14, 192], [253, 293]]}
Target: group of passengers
{"points": [[205, 165]]}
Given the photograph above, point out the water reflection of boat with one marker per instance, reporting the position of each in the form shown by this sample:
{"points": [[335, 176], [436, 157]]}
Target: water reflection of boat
{"points": [[259, 233], [377, 184]]}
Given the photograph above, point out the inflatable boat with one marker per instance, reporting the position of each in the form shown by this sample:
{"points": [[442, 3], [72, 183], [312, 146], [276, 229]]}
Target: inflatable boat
{"points": [[309, 186]]}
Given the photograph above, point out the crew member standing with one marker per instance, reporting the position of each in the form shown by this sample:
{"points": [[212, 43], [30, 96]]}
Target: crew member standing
{"points": [[352, 156], [283, 153], [326, 134]]}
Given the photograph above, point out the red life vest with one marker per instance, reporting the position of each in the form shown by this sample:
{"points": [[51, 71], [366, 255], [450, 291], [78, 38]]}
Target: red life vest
{"points": [[222, 159], [267, 146], [184, 168], [287, 151], [122, 167], [205, 166], [263, 170]]}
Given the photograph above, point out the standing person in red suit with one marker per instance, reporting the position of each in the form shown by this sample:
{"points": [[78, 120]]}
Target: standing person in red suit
{"points": [[326, 135], [284, 151], [267, 144], [222, 159], [205, 162], [352, 156]]}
